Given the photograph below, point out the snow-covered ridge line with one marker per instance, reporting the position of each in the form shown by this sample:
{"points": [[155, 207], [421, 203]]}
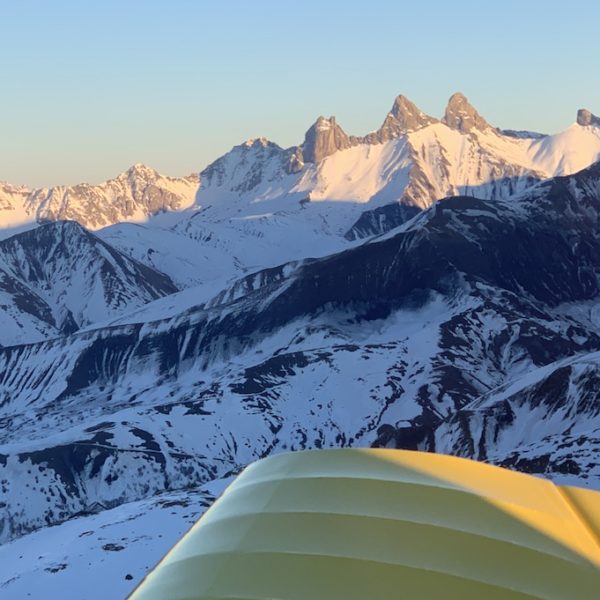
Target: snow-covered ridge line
{"points": [[58, 278], [135, 195], [412, 158]]}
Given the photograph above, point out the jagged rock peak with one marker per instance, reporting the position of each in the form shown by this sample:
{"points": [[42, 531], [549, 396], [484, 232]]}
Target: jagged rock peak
{"points": [[403, 117], [408, 116], [585, 117], [462, 116], [324, 138]]}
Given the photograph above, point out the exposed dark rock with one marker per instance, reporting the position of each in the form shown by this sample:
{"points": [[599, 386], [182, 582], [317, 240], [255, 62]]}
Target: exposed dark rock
{"points": [[585, 117], [324, 138]]}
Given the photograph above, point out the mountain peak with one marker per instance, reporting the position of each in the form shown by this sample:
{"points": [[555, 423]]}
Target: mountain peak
{"points": [[259, 142], [140, 170], [585, 117], [404, 116], [323, 138], [461, 115], [404, 109]]}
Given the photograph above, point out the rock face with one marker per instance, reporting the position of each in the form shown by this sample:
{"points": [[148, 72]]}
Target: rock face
{"points": [[585, 117], [323, 139], [25, 316], [462, 116], [557, 405]]}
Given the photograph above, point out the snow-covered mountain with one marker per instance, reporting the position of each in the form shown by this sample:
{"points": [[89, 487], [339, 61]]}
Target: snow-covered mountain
{"points": [[136, 195], [61, 278], [384, 343], [432, 285], [413, 159], [261, 205]]}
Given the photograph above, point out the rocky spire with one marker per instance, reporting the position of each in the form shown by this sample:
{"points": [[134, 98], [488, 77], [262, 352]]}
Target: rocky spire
{"points": [[324, 138], [585, 117], [402, 118], [407, 117], [461, 115]]}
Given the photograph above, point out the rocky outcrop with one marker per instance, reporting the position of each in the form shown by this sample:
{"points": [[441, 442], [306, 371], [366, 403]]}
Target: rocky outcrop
{"points": [[248, 165], [323, 139], [585, 117], [295, 162]]}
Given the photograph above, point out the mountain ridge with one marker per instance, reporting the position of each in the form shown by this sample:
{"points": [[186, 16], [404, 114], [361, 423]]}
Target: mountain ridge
{"points": [[269, 171], [80, 278]]}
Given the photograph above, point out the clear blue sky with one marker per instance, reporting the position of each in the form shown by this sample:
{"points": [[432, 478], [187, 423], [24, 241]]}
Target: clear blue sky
{"points": [[89, 87]]}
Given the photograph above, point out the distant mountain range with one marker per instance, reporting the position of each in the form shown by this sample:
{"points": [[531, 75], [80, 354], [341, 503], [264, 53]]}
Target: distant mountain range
{"points": [[413, 159], [432, 285]]}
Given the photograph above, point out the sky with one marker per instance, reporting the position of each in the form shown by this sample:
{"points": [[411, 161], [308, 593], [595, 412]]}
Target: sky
{"points": [[88, 88]]}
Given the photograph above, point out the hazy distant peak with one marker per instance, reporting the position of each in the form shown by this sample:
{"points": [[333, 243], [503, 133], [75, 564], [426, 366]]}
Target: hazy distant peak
{"points": [[141, 171]]}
